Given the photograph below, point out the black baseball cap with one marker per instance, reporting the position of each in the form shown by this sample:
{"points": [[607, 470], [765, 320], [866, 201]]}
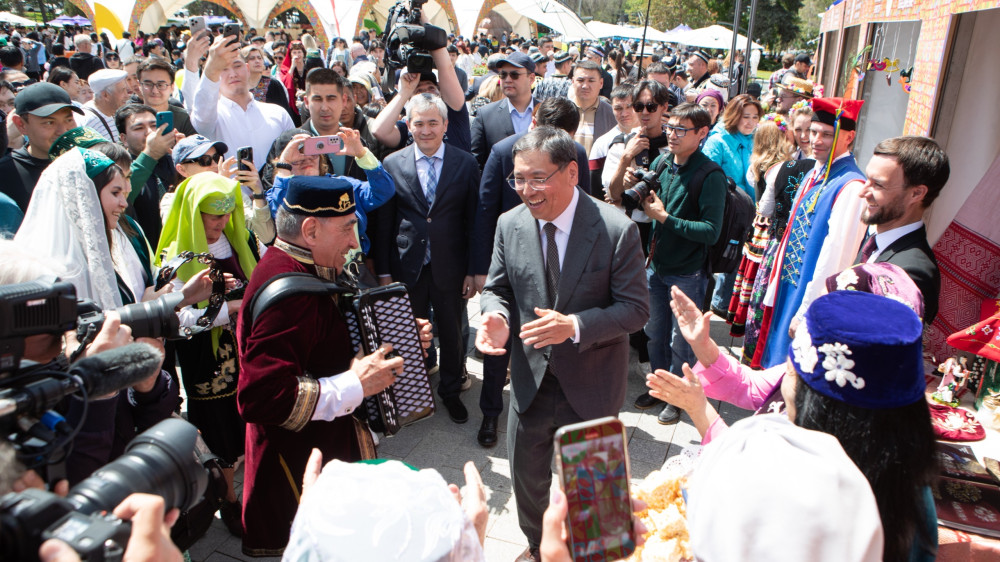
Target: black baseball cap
{"points": [[43, 99], [516, 58], [803, 57]]}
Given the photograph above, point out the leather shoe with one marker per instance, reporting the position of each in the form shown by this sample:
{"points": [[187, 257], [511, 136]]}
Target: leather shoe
{"points": [[488, 432], [529, 555], [456, 410], [669, 415], [645, 401]]}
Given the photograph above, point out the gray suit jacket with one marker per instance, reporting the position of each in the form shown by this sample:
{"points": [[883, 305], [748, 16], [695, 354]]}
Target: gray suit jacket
{"points": [[603, 283]]}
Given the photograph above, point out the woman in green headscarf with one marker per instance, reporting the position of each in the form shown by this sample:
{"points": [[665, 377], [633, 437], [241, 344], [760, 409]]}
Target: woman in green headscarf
{"points": [[207, 217]]}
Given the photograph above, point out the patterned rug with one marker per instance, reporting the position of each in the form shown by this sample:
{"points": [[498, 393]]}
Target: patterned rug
{"points": [[970, 274]]}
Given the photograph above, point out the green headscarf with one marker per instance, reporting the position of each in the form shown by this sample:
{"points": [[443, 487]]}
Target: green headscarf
{"points": [[184, 230]]}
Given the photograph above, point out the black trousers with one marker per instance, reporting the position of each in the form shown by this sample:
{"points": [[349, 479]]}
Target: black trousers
{"points": [[494, 376], [529, 442], [448, 308]]}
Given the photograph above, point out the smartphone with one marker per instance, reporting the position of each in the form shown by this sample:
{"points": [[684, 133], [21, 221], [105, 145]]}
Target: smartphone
{"points": [[323, 145], [232, 30], [592, 461], [244, 153], [165, 117], [196, 24]]}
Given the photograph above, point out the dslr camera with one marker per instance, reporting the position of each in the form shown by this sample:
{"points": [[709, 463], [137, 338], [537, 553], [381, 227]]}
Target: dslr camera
{"points": [[161, 461], [408, 42], [633, 197]]}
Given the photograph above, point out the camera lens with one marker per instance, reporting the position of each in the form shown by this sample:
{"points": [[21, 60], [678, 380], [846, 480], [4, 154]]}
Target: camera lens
{"points": [[320, 146], [153, 319], [159, 461]]}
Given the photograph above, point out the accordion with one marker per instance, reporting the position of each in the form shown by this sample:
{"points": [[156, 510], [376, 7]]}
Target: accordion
{"points": [[377, 316]]}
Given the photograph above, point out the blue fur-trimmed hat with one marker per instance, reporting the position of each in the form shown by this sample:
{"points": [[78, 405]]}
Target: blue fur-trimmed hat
{"points": [[319, 196], [862, 349]]}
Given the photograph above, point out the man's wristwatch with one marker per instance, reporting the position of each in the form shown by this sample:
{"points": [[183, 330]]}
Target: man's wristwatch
{"points": [[259, 196], [283, 166]]}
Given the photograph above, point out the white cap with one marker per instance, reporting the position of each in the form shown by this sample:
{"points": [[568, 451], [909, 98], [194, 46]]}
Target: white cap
{"points": [[770, 490], [386, 511], [105, 78]]}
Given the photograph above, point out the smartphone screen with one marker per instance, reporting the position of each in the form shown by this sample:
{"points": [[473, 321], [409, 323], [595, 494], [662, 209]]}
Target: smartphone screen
{"points": [[593, 467]]}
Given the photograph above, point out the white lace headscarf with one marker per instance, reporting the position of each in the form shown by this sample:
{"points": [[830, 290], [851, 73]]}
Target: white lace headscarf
{"points": [[65, 223]]}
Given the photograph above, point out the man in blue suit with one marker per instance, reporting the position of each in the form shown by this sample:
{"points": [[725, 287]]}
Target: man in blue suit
{"points": [[425, 232], [495, 198]]}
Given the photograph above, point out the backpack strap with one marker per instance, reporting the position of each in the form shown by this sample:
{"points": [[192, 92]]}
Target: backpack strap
{"points": [[698, 179], [285, 285]]}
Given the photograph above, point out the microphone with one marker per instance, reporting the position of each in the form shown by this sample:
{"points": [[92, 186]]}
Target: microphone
{"points": [[100, 375], [115, 369]]}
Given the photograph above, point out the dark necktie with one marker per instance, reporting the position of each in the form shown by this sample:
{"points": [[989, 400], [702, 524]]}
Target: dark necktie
{"points": [[551, 262], [868, 248]]}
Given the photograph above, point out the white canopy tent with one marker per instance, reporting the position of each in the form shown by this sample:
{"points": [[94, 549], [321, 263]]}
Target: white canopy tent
{"points": [[603, 30], [712, 37], [520, 13], [14, 19]]}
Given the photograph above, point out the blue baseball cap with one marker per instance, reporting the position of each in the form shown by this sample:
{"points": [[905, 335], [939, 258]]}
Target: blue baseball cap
{"points": [[194, 146], [518, 59]]}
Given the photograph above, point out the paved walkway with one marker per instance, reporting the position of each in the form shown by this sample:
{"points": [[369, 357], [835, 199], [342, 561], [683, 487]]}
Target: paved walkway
{"points": [[440, 444]]}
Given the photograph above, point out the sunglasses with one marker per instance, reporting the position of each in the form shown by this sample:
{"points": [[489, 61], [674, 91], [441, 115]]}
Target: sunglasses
{"points": [[205, 160], [513, 74], [111, 57], [649, 107]]}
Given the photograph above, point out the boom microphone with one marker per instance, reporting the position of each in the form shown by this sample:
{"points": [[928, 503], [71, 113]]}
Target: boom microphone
{"points": [[100, 375]]}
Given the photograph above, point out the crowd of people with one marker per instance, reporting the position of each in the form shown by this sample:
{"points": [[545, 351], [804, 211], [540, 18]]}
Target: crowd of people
{"points": [[504, 172]]}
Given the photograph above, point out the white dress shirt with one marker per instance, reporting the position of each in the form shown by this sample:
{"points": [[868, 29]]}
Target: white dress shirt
{"points": [[885, 239], [222, 119], [423, 167], [564, 224]]}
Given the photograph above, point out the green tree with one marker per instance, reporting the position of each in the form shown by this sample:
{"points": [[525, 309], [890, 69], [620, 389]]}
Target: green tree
{"points": [[667, 14]]}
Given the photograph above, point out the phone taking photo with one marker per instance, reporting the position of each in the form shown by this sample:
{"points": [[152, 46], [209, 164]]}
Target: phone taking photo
{"points": [[592, 461], [232, 30], [244, 153], [196, 24], [323, 145], [165, 117]]}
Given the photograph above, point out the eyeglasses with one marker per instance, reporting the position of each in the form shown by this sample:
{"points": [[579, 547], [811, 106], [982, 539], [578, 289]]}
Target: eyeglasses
{"points": [[514, 74], [161, 86], [678, 131], [649, 107], [18, 86], [109, 56], [204, 160], [536, 184]]}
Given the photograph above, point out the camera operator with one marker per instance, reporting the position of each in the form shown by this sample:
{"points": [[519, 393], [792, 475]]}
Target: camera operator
{"points": [[112, 421], [682, 232], [641, 146], [392, 132], [149, 540]]}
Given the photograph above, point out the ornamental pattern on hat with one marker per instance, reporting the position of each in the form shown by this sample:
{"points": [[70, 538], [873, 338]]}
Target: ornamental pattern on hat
{"points": [[847, 279], [223, 204], [804, 350], [838, 366]]}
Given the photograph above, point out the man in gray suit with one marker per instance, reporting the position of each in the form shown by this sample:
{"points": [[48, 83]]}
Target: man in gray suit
{"points": [[567, 276]]}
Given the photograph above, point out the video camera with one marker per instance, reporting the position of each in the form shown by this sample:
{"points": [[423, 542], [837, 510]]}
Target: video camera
{"points": [[408, 42], [50, 306], [160, 461]]}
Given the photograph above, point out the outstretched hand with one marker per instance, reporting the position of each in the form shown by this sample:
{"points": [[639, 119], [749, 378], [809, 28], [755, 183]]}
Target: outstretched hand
{"points": [[492, 335], [694, 325]]}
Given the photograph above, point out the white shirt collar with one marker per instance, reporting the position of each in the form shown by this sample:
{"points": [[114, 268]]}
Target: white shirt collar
{"points": [[564, 222], [418, 154], [885, 239]]}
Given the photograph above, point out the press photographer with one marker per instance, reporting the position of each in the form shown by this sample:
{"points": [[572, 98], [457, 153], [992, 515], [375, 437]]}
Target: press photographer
{"points": [[409, 39]]}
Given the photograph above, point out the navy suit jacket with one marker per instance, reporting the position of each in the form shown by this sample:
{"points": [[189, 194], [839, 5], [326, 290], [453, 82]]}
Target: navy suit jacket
{"points": [[491, 125], [406, 225], [496, 197]]}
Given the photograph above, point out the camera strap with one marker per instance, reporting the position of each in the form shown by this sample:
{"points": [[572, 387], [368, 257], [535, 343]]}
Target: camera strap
{"points": [[660, 166], [168, 272]]}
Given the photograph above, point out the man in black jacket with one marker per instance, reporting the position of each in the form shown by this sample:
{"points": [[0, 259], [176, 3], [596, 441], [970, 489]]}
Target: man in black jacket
{"points": [[511, 115], [82, 62], [42, 112], [905, 175]]}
